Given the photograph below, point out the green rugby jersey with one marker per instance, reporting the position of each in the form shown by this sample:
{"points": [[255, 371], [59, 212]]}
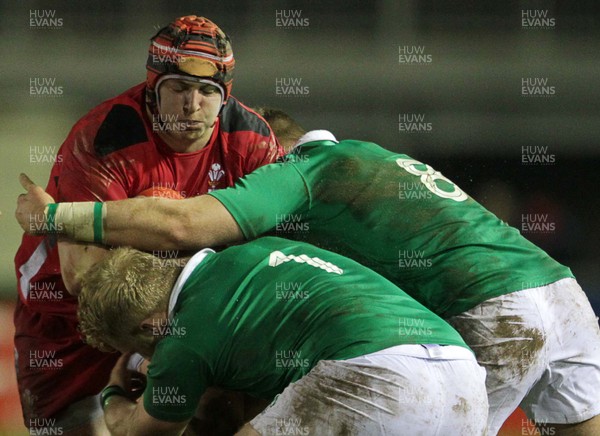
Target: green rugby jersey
{"points": [[395, 215], [258, 316]]}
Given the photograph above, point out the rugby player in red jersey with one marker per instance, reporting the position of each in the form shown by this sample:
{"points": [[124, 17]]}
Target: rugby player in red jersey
{"points": [[181, 129]]}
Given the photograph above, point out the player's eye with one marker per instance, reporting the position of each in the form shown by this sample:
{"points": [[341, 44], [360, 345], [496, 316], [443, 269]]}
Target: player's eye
{"points": [[208, 89], [178, 88]]}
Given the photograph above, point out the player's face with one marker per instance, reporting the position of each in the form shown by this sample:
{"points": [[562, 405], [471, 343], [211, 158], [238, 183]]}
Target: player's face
{"points": [[188, 110]]}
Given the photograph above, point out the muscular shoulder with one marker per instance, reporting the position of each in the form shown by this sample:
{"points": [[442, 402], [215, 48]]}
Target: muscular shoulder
{"points": [[236, 117], [113, 125], [247, 134]]}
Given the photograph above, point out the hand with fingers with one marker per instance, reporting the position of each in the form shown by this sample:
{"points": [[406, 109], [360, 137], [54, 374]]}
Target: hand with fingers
{"points": [[31, 206], [132, 382], [123, 382]]}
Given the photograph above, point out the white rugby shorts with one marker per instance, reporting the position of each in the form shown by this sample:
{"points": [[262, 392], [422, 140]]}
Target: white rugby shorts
{"points": [[541, 350], [408, 389]]}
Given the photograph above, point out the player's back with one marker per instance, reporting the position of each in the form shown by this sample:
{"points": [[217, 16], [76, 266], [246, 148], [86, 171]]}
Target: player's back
{"points": [[309, 304], [408, 222]]}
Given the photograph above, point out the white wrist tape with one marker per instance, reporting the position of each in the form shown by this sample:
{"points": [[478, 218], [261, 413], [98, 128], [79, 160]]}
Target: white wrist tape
{"points": [[82, 221], [135, 362]]}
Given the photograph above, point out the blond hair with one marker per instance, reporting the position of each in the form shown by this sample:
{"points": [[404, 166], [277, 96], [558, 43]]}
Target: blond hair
{"points": [[120, 292]]}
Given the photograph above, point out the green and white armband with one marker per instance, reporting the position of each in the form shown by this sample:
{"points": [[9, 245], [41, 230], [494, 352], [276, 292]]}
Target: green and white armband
{"points": [[81, 221]]}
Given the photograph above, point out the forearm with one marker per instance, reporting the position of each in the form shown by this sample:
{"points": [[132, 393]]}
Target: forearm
{"points": [[147, 223], [119, 415], [150, 224], [160, 224], [125, 417]]}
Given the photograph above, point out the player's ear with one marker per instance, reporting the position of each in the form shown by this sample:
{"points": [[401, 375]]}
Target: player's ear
{"points": [[154, 324], [148, 325]]}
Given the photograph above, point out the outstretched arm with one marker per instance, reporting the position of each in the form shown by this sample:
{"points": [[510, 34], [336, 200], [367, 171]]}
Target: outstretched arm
{"points": [[143, 223], [156, 223]]}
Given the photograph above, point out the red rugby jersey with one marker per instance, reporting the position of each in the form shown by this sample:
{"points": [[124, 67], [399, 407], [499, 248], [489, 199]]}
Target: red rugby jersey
{"points": [[113, 153]]}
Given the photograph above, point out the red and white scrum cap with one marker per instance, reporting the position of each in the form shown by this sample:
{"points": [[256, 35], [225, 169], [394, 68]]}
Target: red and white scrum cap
{"points": [[190, 48]]}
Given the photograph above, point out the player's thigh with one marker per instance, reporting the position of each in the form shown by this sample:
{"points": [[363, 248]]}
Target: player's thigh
{"points": [[567, 391], [410, 396], [508, 337], [333, 398]]}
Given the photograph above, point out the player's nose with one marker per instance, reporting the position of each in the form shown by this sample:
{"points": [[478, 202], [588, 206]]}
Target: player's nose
{"points": [[193, 100]]}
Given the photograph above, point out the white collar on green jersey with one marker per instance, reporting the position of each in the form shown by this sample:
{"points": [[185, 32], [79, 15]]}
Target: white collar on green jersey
{"points": [[195, 260], [315, 135]]}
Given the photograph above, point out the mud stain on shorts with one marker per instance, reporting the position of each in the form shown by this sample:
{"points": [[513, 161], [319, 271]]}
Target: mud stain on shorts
{"points": [[462, 407], [342, 401], [506, 346], [524, 348]]}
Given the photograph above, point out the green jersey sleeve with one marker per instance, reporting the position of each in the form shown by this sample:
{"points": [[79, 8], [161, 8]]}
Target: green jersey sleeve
{"points": [[262, 199], [176, 380]]}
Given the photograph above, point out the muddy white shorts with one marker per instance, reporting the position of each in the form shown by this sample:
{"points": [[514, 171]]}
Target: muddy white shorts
{"points": [[541, 349], [408, 389]]}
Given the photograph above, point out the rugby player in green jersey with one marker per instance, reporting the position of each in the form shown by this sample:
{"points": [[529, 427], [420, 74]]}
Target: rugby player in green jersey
{"points": [[522, 313], [345, 350]]}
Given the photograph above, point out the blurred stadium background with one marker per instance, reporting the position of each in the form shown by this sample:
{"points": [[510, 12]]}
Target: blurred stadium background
{"points": [[338, 66]]}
